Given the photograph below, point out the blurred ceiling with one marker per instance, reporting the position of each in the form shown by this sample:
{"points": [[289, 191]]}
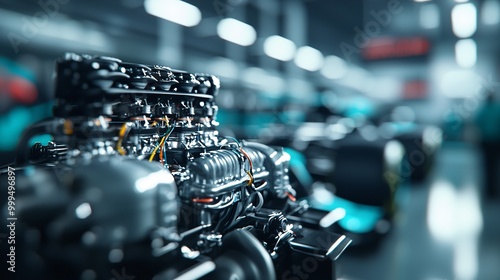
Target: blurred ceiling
{"points": [[328, 22], [124, 29]]}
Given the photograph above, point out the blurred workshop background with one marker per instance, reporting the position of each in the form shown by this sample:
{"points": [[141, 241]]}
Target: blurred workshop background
{"points": [[390, 109]]}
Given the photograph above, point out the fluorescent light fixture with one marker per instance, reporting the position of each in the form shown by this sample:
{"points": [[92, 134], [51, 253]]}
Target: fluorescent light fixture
{"points": [[422, 0], [464, 20], [279, 48], [466, 53], [490, 12], [334, 67], [429, 16], [237, 32], [309, 58], [461, 1], [175, 11]]}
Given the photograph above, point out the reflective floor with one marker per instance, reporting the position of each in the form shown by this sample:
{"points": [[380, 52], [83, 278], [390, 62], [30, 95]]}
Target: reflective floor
{"points": [[445, 228]]}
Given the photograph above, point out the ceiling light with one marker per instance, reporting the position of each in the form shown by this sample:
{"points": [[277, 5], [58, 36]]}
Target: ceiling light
{"points": [[279, 48], [466, 53], [237, 32], [464, 20], [309, 58], [175, 11]]}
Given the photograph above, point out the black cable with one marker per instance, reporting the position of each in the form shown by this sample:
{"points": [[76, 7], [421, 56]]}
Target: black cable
{"points": [[43, 127]]}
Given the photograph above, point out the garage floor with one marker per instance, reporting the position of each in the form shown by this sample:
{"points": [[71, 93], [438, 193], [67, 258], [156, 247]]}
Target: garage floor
{"points": [[445, 229]]}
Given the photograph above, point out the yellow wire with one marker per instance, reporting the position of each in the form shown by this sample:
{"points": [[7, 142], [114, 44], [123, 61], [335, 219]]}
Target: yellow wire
{"points": [[156, 149], [250, 182], [161, 142], [119, 147]]}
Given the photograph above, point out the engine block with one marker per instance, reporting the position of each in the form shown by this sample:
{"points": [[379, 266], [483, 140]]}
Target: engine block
{"points": [[138, 175]]}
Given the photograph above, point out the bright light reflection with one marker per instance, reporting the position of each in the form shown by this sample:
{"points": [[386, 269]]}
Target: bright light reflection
{"points": [[393, 152], [440, 211], [152, 180], [332, 217], [83, 211], [454, 217], [197, 271]]}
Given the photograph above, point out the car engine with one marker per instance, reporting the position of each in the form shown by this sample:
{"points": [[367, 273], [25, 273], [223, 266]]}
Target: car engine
{"points": [[137, 182]]}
